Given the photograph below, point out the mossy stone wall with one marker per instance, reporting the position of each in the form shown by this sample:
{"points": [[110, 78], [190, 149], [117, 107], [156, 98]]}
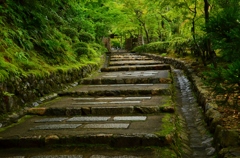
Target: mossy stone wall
{"points": [[17, 93]]}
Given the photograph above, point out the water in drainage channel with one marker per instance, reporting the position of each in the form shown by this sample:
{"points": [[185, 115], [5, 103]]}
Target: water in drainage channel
{"points": [[199, 141]]}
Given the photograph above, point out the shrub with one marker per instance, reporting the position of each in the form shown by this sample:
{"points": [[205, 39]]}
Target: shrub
{"points": [[86, 37], [93, 53], [80, 44], [98, 47], [224, 81], [56, 18], [160, 47], [82, 51], [70, 32]]}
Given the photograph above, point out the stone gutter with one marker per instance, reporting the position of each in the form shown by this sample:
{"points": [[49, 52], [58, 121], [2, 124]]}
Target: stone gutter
{"points": [[226, 141]]}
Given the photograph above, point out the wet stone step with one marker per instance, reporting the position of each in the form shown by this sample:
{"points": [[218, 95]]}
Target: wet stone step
{"points": [[68, 106], [80, 156], [117, 131], [92, 118], [118, 90], [130, 77], [75, 156], [77, 152], [130, 59], [136, 68], [102, 156], [147, 62], [111, 102], [112, 98], [123, 55]]}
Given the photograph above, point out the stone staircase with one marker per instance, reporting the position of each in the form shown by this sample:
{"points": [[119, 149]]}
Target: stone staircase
{"points": [[124, 111]]}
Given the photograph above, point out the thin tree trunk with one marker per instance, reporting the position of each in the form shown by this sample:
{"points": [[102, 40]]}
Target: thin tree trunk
{"points": [[211, 53], [194, 37]]}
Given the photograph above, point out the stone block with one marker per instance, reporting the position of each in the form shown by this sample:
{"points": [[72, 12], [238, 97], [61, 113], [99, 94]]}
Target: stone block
{"points": [[86, 111], [55, 126], [137, 98], [112, 110], [130, 118], [36, 111], [108, 125], [56, 119], [58, 156], [126, 141], [88, 118], [122, 156], [147, 109], [73, 111]]}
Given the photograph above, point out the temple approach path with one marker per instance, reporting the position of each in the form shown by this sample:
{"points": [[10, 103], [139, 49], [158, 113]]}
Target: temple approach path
{"points": [[125, 110]]}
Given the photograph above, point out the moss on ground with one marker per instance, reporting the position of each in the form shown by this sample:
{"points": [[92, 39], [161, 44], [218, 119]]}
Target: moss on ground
{"points": [[168, 125], [21, 120]]}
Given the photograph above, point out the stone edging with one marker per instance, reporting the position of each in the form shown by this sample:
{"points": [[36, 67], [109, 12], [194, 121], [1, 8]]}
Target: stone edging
{"points": [[223, 138]]}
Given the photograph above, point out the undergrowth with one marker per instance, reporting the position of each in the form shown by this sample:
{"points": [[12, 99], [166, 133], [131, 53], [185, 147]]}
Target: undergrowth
{"points": [[38, 37]]}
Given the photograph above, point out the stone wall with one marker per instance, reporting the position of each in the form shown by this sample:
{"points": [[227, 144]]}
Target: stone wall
{"points": [[226, 141], [18, 93]]}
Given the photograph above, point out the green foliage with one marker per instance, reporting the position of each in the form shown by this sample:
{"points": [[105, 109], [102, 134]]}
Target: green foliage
{"points": [[224, 30], [21, 56], [180, 45], [71, 32], [82, 51], [98, 47], [115, 43], [38, 36], [80, 44], [86, 37], [155, 47], [225, 81]]}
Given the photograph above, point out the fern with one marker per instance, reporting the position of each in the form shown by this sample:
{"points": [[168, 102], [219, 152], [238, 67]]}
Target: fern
{"points": [[21, 56]]}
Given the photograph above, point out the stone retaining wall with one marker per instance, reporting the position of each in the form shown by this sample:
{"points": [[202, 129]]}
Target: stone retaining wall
{"points": [[226, 141], [18, 93]]}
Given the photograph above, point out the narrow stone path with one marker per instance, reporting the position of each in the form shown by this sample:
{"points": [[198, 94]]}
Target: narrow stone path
{"points": [[125, 111]]}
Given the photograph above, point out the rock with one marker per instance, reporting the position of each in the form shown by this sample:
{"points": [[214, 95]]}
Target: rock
{"points": [[210, 151], [212, 118], [210, 105], [34, 104], [36, 111], [208, 142], [229, 153], [14, 117], [51, 139], [167, 109], [226, 137]]}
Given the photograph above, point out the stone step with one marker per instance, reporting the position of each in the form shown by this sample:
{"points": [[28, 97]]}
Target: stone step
{"points": [[115, 131], [133, 57], [76, 156], [136, 68], [85, 152], [130, 59], [68, 106], [127, 55], [118, 90], [140, 62], [130, 77]]}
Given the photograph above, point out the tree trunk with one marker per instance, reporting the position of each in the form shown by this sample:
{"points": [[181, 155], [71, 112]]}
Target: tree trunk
{"points": [[146, 32], [211, 53], [194, 37]]}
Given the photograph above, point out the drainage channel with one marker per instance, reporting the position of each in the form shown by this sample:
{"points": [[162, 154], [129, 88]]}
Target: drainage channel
{"points": [[199, 139]]}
